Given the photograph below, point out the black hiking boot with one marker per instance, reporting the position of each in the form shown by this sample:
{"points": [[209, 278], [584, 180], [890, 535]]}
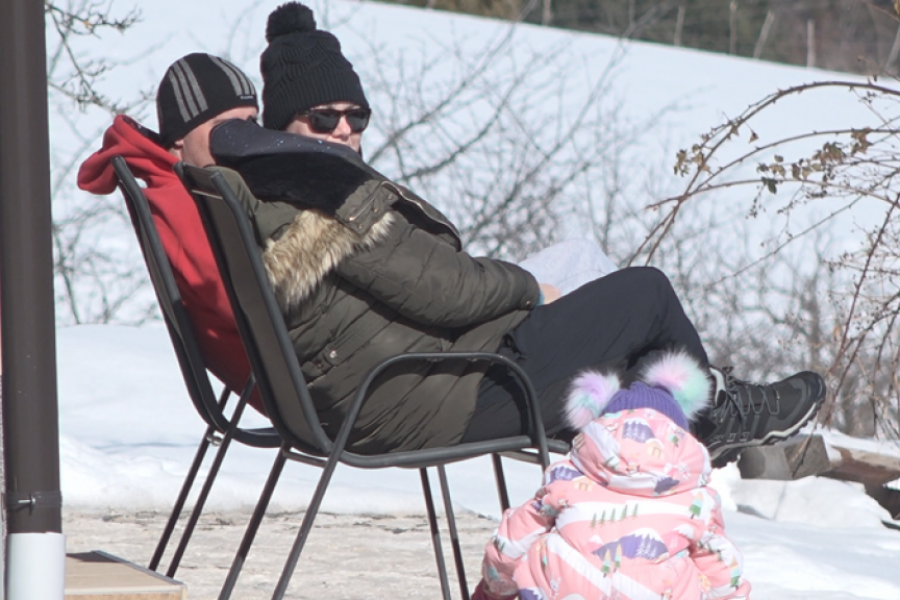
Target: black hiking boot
{"points": [[749, 414]]}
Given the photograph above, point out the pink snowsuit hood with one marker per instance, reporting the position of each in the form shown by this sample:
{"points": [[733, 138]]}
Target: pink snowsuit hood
{"points": [[641, 453]]}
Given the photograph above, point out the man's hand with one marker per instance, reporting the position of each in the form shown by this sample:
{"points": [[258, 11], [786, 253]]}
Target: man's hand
{"points": [[550, 292]]}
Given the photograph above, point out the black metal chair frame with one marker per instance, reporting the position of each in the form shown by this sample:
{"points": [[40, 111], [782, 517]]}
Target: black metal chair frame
{"points": [[221, 429], [290, 407]]}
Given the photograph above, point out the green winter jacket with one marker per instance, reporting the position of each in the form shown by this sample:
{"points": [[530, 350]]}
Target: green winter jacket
{"points": [[385, 274]]}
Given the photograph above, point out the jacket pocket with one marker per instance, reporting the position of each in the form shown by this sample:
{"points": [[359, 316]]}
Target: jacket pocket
{"points": [[351, 340]]}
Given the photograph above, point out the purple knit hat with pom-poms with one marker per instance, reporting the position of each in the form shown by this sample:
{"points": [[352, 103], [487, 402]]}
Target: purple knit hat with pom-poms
{"points": [[674, 385]]}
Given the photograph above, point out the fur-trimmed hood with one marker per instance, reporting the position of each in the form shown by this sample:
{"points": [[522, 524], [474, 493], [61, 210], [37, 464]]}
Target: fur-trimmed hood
{"points": [[310, 248], [337, 204]]}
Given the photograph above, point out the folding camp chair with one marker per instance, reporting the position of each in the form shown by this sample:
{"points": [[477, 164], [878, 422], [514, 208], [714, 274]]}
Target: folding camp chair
{"points": [[287, 399], [220, 428]]}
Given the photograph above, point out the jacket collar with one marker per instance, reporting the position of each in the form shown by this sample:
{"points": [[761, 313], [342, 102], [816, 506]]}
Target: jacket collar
{"points": [[311, 173]]}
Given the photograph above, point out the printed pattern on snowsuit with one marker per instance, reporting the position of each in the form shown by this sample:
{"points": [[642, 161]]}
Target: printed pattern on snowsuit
{"points": [[627, 517]]}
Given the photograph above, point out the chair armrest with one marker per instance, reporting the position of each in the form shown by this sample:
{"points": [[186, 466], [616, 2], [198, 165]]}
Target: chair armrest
{"points": [[535, 424]]}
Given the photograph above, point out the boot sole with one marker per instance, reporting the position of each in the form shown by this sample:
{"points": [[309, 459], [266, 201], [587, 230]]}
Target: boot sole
{"points": [[729, 453]]}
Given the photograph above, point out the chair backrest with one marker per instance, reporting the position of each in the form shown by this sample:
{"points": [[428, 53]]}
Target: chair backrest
{"points": [[178, 322], [259, 319]]}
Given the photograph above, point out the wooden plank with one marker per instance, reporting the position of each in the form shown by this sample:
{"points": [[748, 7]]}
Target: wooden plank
{"points": [[101, 576], [869, 468], [798, 457]]}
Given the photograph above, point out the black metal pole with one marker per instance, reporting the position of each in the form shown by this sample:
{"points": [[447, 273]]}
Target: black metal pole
{"points": [[30, 420]]}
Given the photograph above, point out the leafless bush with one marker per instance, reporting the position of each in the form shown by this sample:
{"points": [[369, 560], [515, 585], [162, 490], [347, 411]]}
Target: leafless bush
{"points": [[69, 73], [97, 279], [834, 302], [510, 142]]}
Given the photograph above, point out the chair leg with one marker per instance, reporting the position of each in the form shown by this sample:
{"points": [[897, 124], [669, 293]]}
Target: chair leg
{"points": [[213, 473], [252, 527], [306, 525], [435, 534], [189, 483], [198, 505], [454, 534], [182, 498], [502, 493]]}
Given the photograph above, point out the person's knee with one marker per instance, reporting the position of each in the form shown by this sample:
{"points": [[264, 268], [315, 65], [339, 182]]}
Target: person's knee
{"points": [[649, 289], [647, 280], [635, 290]]}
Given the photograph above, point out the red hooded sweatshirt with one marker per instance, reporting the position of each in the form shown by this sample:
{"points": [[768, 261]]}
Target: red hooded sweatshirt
{"points": [[184, 241]]}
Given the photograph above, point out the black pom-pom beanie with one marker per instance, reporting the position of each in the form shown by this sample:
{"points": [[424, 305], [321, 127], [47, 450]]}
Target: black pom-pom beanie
{"points": [[303, 67]]}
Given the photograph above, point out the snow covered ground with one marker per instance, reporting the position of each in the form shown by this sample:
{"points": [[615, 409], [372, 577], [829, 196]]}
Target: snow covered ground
{"points": [[128, 434]]}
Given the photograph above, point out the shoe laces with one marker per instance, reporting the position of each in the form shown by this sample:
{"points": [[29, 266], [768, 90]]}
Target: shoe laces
{"points": [[765, 396]]}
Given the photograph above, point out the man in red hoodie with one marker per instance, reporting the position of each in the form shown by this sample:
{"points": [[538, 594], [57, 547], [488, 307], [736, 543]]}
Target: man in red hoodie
{"points": [[198, 92]]}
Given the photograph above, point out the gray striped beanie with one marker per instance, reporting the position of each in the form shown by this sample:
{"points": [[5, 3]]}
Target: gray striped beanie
{"points": [[196, 88]]}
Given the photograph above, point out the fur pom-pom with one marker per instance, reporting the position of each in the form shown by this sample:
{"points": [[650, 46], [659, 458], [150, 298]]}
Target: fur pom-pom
{"points": [[289, 18], [684, 378], [589, 395]]}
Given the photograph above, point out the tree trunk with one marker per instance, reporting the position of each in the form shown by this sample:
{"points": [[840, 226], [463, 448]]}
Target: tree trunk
{"points": [[764, 34], [679, 25], [732, 26], [810, 43], [895, 49]]}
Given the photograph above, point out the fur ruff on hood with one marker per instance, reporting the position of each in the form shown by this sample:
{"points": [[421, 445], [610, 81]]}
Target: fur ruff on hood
{"points": [[309, 249]]}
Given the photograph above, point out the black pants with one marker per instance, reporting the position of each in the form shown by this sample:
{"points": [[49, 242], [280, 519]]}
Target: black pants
{"points": [[610, 324]]}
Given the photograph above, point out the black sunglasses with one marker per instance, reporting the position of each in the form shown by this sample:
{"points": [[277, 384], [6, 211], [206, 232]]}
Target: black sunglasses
{"points": [[325, 120]]}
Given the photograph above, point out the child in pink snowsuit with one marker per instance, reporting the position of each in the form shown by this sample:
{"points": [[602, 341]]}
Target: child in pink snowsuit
{"points": [[629, 515]]}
